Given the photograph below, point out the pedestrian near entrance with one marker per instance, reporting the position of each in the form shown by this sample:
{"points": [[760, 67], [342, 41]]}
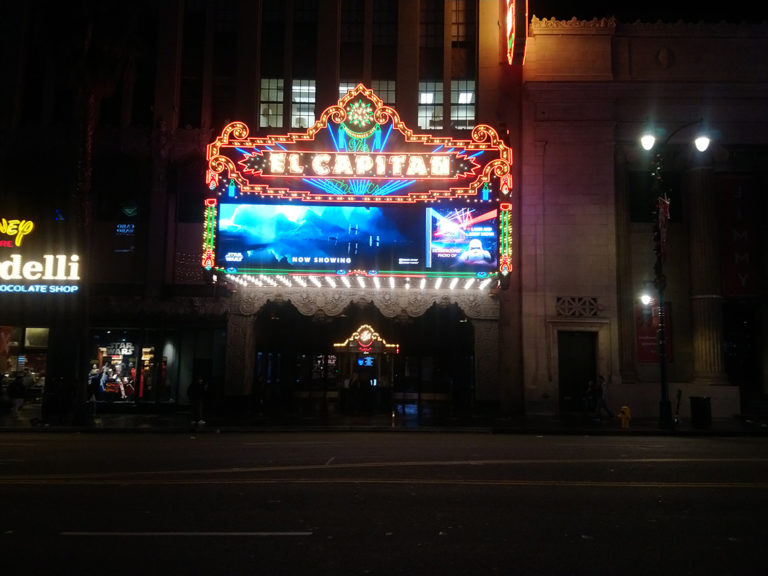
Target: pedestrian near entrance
{"points": [[601, 405], [588, 400], [16, 394], [197, 392], [93, 389]]}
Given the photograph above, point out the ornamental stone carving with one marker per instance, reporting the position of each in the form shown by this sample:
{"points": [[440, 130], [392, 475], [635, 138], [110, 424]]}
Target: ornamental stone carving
{"points": [[391, 303]]}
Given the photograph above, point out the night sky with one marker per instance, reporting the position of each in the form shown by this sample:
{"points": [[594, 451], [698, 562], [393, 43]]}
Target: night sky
{"points": [[651, 10]]}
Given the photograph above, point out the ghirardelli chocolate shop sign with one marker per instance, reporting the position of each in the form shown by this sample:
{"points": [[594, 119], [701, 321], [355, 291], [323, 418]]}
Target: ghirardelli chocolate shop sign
{"points": [[29, 267]]}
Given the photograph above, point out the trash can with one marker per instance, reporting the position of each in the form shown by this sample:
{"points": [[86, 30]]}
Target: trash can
{"points": [[701, 412]]}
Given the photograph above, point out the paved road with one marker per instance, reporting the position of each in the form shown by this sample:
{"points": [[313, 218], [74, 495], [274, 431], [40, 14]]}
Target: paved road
{"points": [[382, 503]]}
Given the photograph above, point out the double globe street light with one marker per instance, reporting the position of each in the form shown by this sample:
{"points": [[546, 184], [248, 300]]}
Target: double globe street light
{"points": [[661, 217]]}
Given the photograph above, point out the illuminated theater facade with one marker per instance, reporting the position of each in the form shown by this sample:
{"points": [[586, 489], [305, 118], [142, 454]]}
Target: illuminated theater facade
{"points": [[372, 233], [323, 206]]}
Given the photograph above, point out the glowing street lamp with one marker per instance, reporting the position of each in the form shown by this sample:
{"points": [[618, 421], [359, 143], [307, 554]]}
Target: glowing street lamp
{"points": [[661, 218]]}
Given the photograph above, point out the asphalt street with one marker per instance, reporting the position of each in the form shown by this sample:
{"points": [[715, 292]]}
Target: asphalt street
{"points": [[394, 502]]}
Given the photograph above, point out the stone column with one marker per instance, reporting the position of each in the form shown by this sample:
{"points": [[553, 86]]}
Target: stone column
{"points": [[626, 288], [486, 359], [706, 291], [239, 355]]}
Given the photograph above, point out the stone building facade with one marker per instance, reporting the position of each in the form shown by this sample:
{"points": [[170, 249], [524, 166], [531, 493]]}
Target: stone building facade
{"points": [[590, 88]]}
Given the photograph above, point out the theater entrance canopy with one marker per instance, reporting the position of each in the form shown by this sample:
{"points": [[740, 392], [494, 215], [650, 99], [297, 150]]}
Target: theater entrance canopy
{"points": [[358, 201]]}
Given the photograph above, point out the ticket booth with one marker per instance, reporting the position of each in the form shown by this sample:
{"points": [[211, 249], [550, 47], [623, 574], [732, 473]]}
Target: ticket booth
{"points": [[366, 366]]}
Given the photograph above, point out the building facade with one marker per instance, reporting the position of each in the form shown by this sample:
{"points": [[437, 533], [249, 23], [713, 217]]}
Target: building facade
{"points": [[127, 178], [589, 211]]}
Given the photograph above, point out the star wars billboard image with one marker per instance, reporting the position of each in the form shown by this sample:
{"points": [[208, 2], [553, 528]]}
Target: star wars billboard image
{"points": [[341, 238], [462, 238]]}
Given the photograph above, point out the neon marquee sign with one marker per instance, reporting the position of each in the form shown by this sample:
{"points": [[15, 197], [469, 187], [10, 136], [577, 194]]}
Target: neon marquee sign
{"points": [[358, 150], [437, 166], [517, 30], [358, 194], [366, 340]]}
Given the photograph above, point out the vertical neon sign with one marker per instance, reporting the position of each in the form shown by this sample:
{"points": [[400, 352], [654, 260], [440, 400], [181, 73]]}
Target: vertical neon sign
{"points": [[209, 233], [505, 238]]}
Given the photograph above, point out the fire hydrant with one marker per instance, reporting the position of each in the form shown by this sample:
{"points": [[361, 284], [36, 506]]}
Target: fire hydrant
{"points": [[625, 414]]}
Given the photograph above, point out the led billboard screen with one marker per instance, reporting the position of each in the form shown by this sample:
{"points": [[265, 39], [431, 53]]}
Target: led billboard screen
{"points": [[335, 238]]}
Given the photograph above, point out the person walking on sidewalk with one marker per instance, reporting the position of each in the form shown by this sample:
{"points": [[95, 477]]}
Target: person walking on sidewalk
{"points": [[601, 405], [16, 394], [197, 392]]}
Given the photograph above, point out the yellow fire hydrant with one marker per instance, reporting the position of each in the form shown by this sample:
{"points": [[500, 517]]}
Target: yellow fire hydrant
{"points": [[625, 414]]}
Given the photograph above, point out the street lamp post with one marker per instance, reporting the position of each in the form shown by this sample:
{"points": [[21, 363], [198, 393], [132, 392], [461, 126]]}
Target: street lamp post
{"points": [[660, 282], [661, 218]]}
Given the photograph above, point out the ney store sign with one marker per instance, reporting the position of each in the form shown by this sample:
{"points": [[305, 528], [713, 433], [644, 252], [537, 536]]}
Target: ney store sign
{"points": [[24, 269]]}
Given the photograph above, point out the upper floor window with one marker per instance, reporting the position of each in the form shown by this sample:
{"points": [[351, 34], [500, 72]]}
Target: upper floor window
{"points": [[271, 99], [302, 103], [345, 87], [459, 32], [384, 22], [430, 109], [462, 104], [385, 89]]}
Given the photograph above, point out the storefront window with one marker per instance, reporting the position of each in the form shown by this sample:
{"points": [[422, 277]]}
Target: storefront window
{"points": [[24, 351], [116, 362], [152, 366], [138, 366]]}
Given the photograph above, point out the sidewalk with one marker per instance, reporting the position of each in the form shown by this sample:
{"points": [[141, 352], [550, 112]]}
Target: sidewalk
{"points": [[129, 418]]}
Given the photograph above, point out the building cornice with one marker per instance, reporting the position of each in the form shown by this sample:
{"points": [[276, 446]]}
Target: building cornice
{"points": [[610, 25]]}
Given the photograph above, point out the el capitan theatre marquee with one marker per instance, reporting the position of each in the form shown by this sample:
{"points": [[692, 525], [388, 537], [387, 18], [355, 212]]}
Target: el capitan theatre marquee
{"points": [[30, 263], [359, 200]]}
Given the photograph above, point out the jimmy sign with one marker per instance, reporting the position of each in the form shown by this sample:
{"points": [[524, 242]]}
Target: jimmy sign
{"points": [[358, 194]]}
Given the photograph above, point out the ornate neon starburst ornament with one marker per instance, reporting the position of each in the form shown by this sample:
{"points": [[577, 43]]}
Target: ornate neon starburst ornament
{"points": [[360, 113], [359, 122]]}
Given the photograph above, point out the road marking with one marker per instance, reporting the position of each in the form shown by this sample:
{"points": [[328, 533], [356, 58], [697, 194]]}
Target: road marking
{"points": [[185, 534], [393, 481], [215, 475]]}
